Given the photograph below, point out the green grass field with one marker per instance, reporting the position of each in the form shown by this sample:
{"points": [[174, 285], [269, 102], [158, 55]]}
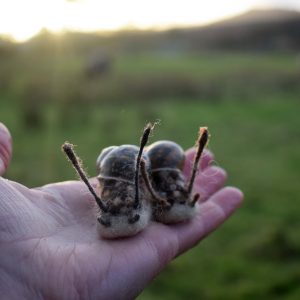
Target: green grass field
{"points": [[251, 105]]}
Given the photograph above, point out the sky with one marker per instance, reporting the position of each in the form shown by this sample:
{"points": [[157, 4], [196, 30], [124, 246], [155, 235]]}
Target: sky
{"points": [[22, 19]]}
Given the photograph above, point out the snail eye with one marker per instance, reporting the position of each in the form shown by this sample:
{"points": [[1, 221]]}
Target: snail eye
{"points": [[134, 219], [105, 223]]}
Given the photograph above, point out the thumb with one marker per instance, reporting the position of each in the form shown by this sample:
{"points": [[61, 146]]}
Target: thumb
{"points": [[5, 148]]}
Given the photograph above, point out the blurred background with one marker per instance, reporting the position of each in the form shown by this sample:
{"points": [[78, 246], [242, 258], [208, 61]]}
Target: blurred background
{"points": [[94, 72]]}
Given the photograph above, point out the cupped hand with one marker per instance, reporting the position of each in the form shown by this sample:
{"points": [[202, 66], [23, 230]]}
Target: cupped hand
{"points": [[50, 247]]}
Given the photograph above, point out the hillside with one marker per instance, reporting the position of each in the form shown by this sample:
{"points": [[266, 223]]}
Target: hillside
{"points": [[255, 30], [262, 16]]}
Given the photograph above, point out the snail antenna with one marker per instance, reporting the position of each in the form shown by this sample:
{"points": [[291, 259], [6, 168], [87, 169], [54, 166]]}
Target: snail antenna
{"points": [[143, 142], [200, 143], [69, 151], [150, 188]]}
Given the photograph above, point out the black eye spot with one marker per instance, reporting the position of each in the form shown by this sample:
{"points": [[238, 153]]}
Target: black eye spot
{"points": [[105, 223], [133, 219]]}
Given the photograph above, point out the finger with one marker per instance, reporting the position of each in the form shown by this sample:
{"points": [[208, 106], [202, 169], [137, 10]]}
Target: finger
{"points": [[209, 181], [212, 214], [5, 148], [206, 159], [164, 242]]}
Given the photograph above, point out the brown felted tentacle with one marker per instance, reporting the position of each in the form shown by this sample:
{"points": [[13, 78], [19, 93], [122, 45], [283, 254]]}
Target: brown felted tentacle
{"points": [[143, 142], [68, 149], [201, 143]]}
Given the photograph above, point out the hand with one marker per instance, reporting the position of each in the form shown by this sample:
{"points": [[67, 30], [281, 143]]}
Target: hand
{"points": [[50, 248]]}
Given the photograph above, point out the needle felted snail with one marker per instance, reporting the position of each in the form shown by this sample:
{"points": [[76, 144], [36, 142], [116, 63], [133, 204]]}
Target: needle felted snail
{"points": [[167, 160], [124, 209]]}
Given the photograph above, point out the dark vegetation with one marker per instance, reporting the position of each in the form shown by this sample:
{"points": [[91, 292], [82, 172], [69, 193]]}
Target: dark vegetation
{"points": [[186, 78]]}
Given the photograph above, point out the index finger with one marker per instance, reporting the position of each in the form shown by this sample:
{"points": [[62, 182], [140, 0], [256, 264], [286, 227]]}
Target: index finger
{"points": [[206, 159]]}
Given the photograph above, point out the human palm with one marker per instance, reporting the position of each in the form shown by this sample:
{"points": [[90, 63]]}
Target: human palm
{"points": [[50, 247]]}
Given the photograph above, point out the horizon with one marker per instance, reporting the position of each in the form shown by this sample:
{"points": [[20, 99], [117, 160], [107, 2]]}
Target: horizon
{"points": [[77, 16]]}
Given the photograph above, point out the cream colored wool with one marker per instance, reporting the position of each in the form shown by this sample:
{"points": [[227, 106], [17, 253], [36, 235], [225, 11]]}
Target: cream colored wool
{"points": [[120, 226]]}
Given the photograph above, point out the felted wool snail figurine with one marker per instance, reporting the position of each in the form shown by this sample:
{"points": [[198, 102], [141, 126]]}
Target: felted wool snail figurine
{"points": [[128, 211], [167, 160], [124, 209]]}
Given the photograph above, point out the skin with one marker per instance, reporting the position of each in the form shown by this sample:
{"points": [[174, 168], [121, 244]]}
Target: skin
{"points": [[50, 248]]}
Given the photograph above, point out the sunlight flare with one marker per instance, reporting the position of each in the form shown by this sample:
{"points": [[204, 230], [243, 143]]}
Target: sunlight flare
{"points": [[23, 19]]}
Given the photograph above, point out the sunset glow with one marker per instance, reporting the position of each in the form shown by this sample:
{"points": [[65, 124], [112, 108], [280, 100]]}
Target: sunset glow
{"points": [[23, 19]]}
